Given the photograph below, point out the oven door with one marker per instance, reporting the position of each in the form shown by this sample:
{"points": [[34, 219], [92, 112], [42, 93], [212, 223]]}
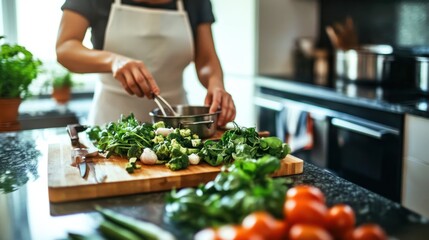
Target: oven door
{"points": [[367, 154], [274, 115], [269, 111]]}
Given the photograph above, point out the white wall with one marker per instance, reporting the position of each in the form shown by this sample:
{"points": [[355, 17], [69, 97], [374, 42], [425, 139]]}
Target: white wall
{"points": [[234, 34], [281, 22]]}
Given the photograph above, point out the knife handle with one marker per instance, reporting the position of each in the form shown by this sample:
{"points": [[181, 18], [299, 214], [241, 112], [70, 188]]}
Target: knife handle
{"points": [[73, 130]]}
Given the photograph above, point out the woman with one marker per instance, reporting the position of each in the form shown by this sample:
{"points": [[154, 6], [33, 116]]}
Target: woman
{"points": [[141, 48]]}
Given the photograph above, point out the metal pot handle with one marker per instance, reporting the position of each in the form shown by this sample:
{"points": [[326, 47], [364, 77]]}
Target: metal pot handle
{"points": [[208, 122]]}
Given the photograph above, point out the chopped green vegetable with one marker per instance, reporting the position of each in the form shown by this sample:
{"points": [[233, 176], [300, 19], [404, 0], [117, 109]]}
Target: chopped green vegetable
{"points": [[114, 231], [162, 150], [159, 124], [178, 161], [131, 165], [186, 132], [123, 223]]}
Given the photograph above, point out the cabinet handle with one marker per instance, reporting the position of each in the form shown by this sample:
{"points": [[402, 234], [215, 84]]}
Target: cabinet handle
{"points": [[268, 103], [359, 128]]}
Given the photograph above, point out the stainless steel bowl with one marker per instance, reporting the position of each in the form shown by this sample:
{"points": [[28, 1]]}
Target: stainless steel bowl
{"points": [[196, 118]]}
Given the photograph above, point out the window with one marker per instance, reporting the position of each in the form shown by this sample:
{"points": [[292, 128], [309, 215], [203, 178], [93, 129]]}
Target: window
{"points": [[36, 28]]}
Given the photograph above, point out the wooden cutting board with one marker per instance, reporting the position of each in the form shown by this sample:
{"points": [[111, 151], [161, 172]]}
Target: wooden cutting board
{"points": [[108, 177]]}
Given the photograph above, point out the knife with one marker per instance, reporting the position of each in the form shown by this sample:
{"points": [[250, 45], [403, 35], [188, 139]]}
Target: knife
{"points": [[80, 152]]}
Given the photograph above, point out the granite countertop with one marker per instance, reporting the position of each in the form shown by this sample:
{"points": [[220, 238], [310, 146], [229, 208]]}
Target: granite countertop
{"points": [[395, 100], [25, 211]]}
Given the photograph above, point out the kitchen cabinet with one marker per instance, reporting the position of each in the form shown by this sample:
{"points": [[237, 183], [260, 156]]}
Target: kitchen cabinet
{"points": [[416, 164]]}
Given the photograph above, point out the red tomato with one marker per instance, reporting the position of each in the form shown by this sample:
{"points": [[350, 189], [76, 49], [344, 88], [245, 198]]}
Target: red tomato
{"points": [[234, 232], [307, 192], [280, 231], [340, 219], [308, 232], [207, 234], [305, 211], [368, 231], [259, 222]]}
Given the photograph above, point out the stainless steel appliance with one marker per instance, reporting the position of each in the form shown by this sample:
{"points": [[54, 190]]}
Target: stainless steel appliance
{"points": [[360, 144]]}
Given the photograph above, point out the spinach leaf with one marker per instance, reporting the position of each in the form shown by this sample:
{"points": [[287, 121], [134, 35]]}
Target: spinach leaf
{"points": [[126, 137], [242, 143], [239, 189]]}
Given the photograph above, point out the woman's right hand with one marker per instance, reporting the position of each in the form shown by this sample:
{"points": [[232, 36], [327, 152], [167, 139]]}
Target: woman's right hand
{"points": [[134, 77]]}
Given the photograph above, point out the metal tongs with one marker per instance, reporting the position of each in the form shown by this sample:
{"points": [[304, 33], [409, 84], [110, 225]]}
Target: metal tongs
{"points": [[158, 99]]}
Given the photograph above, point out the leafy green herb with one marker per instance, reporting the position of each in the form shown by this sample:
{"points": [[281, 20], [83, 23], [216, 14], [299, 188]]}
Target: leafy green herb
{"points": [[126, 137], [241, 143], [239, 189], [18, 68]]}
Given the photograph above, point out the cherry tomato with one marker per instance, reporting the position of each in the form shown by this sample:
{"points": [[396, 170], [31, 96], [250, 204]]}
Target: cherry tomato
{"points": [[308, 232], [305, 211], [207, 234], [368, 231], [340, 219], [235, 232], [259, 222], [306, 192]]}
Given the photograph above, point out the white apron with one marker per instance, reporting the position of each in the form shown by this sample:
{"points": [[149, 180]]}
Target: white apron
{"points": [[162, 39]]}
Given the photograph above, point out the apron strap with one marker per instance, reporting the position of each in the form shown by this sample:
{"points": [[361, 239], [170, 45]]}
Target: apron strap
{"points": [[180, 7], [179, 4]]}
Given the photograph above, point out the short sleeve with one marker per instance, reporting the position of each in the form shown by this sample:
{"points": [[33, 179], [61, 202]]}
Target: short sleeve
{"points": [[205, 13], [83, 7], [96, 12], [199, 11]]}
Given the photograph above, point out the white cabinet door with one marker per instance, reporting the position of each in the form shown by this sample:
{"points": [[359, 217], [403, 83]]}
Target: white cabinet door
{"points": [[415, 184]]}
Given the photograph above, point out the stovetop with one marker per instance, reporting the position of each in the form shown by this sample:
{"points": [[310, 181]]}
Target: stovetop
{"points": [[401, 95]]}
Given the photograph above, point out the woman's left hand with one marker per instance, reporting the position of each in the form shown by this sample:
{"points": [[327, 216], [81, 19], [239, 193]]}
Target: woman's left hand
{"points": [[217, 98]]}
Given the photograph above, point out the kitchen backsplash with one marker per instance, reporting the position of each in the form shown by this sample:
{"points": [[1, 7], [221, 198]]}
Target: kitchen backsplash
{"points": [[394, 22]]}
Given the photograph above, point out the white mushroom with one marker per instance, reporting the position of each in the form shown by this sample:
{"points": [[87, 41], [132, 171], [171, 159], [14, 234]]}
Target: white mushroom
{"points": [[164, 131], [148, 156], [194, 159]]}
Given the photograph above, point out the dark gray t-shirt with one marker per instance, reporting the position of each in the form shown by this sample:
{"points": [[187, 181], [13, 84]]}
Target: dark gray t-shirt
{"points": [[97, 13]]}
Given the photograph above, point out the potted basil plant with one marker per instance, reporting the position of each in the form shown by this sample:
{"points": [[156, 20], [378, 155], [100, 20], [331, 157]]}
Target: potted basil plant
{"points": [[18, 69], [62, 84]]}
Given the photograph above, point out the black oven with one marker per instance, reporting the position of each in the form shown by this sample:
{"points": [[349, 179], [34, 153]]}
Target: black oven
{"points": [[360, 144], [367, 153]]}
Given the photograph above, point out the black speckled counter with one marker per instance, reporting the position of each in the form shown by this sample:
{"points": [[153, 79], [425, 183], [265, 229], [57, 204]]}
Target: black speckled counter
{"points": [[25, 211]]}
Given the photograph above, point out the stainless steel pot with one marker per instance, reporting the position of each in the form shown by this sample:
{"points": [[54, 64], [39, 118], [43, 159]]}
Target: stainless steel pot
{"points": [[363, 64], [422, 73], [196, 118]]}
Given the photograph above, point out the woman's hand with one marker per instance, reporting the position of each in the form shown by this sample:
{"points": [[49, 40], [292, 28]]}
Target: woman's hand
{"points": [[217, 98], [134, 77]]}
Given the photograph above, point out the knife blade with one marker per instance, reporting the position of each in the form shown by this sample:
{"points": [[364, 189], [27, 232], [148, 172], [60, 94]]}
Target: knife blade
{"points": [[81, 165], [79, 152]]}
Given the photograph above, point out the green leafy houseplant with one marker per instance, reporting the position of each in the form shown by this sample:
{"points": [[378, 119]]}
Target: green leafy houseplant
{"points": [[63, 79], [62, 82], [18, 68]]}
